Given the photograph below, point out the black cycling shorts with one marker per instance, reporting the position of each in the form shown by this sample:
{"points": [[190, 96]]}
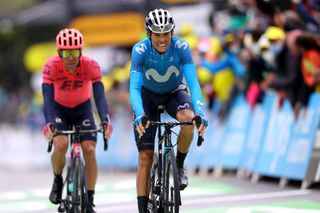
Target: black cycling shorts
{"points": [[65, 118], [173, 103]]}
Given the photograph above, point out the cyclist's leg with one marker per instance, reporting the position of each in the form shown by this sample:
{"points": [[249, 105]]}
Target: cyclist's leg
{"points": [[143, 179], [91, 170], [179, 106], [88, 146], [58, 158], [145, 148]]}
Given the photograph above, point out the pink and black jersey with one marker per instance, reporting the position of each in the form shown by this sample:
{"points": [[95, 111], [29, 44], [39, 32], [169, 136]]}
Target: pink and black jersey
{"points": [[70, 90]]}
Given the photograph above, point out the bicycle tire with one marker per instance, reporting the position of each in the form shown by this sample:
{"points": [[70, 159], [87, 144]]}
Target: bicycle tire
{"points": [[65, 204], [68, 189], [78, 194], [154, 194], [84, 194], [171, 189]]}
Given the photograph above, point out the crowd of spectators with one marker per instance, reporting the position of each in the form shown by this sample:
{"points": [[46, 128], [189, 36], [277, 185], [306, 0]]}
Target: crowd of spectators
{"points": [[268, 45], [262, 45]]}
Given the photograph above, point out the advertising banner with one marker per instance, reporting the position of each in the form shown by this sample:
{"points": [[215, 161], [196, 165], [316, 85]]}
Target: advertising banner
{"points": [[294, 163], [276, 141], [237, 126], [122, 152]]}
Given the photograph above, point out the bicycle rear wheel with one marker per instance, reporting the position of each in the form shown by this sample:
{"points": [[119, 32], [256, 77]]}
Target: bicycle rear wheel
{"points": [[79, 192], [171, 190], [154, 194]]}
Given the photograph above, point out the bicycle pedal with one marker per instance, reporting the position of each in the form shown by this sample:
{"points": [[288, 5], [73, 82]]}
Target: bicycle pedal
{"points": [[61, 208]]}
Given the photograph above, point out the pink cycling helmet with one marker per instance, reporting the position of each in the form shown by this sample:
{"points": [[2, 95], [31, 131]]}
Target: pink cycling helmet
{"points": [[69, 39]]}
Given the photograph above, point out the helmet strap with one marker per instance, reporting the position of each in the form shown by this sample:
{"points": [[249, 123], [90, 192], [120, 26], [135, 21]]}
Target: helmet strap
{"points": [[60, 53]]}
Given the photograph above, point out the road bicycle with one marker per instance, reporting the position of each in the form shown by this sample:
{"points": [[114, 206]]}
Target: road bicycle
{"points": [[164, 195], [74, 186]]}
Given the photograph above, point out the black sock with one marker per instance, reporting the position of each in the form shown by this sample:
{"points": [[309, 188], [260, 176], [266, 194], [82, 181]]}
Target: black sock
{"points": [[180, 159], [143, 204], [90, 196], [57, 175]]}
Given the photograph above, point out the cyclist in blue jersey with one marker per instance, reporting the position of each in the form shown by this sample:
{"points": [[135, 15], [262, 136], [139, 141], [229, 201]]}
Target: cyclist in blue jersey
{"points": [[161, 70]]}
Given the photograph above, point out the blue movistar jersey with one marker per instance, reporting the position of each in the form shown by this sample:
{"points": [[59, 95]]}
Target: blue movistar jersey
{"points": [[163, 73]]}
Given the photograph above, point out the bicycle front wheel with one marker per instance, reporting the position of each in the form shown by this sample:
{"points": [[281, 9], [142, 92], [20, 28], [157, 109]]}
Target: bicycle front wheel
{"points": [[154, 194], [171, 190], [79, 192]]}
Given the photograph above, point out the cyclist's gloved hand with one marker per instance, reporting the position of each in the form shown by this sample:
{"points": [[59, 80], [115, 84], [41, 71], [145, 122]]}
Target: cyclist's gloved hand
{"points": [[48, 131], [141, 123], [107, 128], [200, 122]]}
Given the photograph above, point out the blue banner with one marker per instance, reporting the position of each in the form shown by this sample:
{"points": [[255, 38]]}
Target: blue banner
{"points": [[257, 131], [237, 126], [295, 163], [276, 141], [214, 138], [122, 152]]}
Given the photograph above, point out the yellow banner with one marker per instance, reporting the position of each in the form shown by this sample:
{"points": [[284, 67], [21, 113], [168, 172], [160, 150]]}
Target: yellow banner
{"points": [[121, 29]]}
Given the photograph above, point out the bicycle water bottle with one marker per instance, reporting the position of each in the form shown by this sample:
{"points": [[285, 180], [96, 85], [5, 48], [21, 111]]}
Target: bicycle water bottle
{"points": [[70, 182], [75, 152]]}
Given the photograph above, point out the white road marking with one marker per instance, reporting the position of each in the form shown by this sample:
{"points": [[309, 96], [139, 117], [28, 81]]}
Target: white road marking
{"points": [[270, 209], [129, 207], [244, 197]]}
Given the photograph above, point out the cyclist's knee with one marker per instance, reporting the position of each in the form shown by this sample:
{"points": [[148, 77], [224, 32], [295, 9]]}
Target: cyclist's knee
{"points": [[145, 158], [88, 148], [61, 144], [185, 115]]}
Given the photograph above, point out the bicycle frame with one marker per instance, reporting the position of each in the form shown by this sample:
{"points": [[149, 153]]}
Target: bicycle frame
{"points": [[76, 199], [164, 159]]}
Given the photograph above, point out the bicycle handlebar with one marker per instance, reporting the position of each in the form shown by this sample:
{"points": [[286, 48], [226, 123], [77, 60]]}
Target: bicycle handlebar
{"points": [[80, 132], [172, 124]]}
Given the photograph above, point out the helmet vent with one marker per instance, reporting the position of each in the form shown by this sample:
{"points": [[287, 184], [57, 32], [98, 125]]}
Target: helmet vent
{"points": [[69, 39], [159, 21]]}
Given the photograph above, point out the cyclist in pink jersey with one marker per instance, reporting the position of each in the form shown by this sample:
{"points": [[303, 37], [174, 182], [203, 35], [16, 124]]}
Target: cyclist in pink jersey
{"points": [[68, 81]]}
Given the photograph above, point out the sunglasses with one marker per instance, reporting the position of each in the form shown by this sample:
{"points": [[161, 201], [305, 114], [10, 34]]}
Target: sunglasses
{"points": [[158, 29], [68, 53]]}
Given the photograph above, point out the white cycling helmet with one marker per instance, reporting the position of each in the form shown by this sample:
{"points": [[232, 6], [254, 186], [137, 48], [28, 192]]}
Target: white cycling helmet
{"points": [[159, 21]]}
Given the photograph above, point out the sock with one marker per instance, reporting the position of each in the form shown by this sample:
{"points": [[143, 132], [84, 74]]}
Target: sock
{"points": [[143, 204], [90, 196], [180, 159], [59, 176]]}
